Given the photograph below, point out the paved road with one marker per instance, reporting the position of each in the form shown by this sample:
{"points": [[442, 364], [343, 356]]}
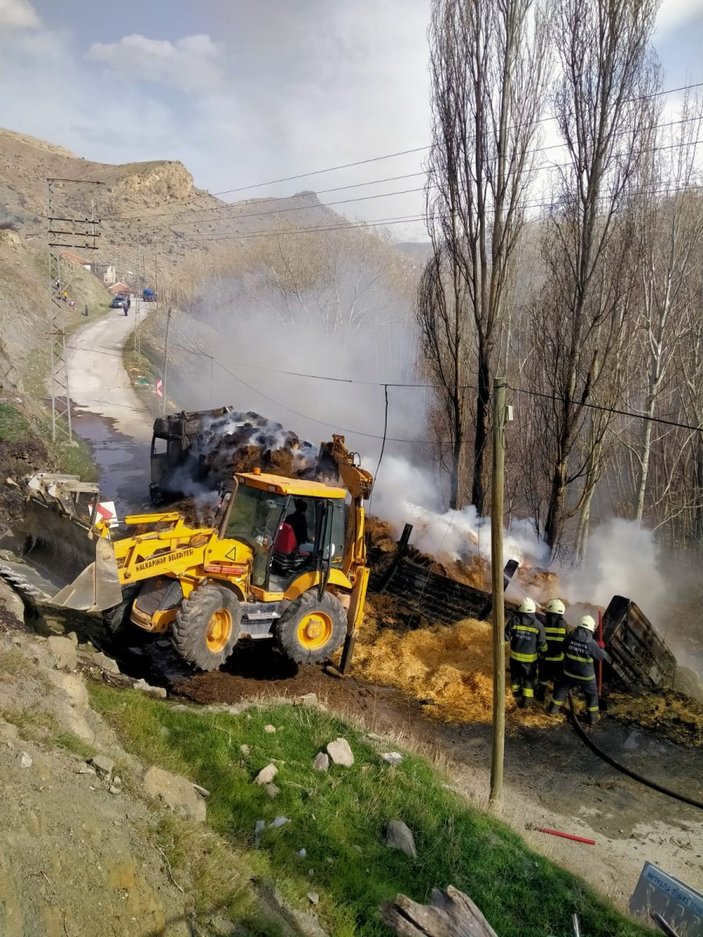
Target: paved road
{"points": [[107, 413]]}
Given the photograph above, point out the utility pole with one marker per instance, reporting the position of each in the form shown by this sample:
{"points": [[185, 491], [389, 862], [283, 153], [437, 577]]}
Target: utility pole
{"points": [[138, 299], [497, 589], [63, 230], [165, 367]]}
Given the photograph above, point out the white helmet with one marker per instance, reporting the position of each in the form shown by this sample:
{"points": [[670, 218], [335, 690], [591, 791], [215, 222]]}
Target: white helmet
{"points": [[556, 606], [588, 622], [528, 605]]}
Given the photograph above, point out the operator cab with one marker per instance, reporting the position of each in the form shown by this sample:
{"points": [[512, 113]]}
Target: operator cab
{"points": [[297, 527]]}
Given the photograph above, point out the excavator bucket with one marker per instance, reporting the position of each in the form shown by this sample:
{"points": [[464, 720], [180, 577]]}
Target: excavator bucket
{"points": [[64, 561]]}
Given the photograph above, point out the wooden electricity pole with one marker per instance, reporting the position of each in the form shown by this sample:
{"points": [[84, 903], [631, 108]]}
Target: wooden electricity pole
{"points": [[164, 382], [497, 589]]}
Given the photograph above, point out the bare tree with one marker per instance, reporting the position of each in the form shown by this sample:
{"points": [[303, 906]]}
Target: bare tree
{"points": [[601, 106], [669, 242], [488, 62], [446, 353]]}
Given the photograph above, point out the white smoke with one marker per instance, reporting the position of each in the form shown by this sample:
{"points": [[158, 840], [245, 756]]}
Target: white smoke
{"points": [[623, 559], [405, 493]]}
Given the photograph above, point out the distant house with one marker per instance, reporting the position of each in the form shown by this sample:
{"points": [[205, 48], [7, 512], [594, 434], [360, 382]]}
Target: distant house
{"points": [[105, 272], [76, 260], [119, 288]]}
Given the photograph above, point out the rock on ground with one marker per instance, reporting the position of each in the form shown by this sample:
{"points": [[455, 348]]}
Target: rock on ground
{"points": [[266, 775], [321, 762], [176, 792], [64, 652], [340, 752], [399, 836]]}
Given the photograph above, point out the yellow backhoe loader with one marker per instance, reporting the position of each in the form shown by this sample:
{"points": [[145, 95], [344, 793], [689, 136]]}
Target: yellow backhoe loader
{"points": [[284, 558]]}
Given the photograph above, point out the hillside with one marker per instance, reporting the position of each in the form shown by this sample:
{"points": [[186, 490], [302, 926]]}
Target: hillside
{"points": [[154, 223]]}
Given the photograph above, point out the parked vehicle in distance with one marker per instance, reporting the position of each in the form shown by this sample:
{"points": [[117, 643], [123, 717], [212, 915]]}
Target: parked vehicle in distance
{"points": [[119, 302], [149, 295]]}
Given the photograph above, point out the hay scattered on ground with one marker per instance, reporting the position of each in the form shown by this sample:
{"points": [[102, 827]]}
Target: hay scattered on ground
{"points": [[673, 716], [448, 668]]}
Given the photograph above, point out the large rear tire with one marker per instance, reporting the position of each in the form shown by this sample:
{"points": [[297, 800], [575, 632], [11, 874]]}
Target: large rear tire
{"points": [[311, 629], [207, 627]]}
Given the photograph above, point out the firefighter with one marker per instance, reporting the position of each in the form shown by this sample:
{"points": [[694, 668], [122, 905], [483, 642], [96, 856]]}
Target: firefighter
{"points": [[580, 654], [527, 638], [550, 663]]}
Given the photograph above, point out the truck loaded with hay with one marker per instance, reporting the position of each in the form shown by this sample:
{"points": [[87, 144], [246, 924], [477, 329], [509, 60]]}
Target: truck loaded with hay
{"points": [[197, 451]]}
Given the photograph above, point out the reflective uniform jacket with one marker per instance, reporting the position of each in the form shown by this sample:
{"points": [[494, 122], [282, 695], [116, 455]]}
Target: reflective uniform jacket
{"points": [[555, 631], [526, 636], [580, 652]]}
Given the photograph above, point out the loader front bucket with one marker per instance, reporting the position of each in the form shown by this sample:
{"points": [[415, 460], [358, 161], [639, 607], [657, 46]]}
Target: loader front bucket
{"points": [[63, 562]]}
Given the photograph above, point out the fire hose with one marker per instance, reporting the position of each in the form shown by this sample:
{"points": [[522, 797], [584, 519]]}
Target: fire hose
{"points": [[578, 728]]}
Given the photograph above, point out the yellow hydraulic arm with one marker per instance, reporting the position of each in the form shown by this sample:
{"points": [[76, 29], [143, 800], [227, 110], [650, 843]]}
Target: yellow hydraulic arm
{"points": [[359, 484]]}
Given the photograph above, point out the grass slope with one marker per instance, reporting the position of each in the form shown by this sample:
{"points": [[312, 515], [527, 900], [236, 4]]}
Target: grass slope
{"points": [[339, 818]]}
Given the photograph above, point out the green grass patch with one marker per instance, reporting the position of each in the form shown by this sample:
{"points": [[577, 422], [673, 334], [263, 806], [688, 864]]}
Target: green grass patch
{"points": [[13, 425], [339, 818], [75, 458]]}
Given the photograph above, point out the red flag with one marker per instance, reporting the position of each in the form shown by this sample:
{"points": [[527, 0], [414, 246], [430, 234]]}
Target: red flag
{"points": [[159, 388]]}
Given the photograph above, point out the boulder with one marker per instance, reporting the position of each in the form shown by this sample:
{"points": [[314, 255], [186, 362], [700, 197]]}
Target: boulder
{"points": [[399, 836], [176, 792], [103, 764], [307, 699], [11, 603], [104, 662], [63, 652], [340, 752], [158, 692]]}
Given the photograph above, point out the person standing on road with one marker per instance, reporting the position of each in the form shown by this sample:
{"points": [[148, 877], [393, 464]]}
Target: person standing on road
{"points": [[550, 663], [580, 654], [527, 639]]}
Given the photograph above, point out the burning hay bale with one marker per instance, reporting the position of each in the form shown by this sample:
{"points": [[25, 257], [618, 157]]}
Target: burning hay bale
{"points": [[205, 448]]}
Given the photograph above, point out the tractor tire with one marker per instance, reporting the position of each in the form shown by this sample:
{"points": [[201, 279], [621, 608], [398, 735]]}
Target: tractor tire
{"points": [[311, 629], [207, 627], [117, 619]]}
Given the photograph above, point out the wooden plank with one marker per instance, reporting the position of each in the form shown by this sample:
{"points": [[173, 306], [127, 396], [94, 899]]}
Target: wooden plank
{"points": [[450, 913]]}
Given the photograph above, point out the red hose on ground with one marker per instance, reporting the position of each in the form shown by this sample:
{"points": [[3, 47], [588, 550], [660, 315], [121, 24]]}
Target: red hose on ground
{"points": [[576, 839]]}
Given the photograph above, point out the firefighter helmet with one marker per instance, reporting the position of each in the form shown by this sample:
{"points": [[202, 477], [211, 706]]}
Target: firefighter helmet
{"points": [[556, 606], [528, 605], [588, 622]]}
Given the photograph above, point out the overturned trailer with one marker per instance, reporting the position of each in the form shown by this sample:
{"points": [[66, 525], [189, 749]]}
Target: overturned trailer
{"points": [[639, 656]]}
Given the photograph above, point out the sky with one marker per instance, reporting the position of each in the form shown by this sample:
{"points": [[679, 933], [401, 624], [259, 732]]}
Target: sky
{"points": [[244, 92]]}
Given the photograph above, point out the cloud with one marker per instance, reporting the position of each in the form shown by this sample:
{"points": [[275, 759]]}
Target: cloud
{"points": [[19, 14], [190, 64], [674, 13]]}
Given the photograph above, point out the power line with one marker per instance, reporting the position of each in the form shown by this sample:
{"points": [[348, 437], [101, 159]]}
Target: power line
{"points": [[280, 211], [386, 384], [385, 156], [348, 225], [235, 207], [615, 410]]}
